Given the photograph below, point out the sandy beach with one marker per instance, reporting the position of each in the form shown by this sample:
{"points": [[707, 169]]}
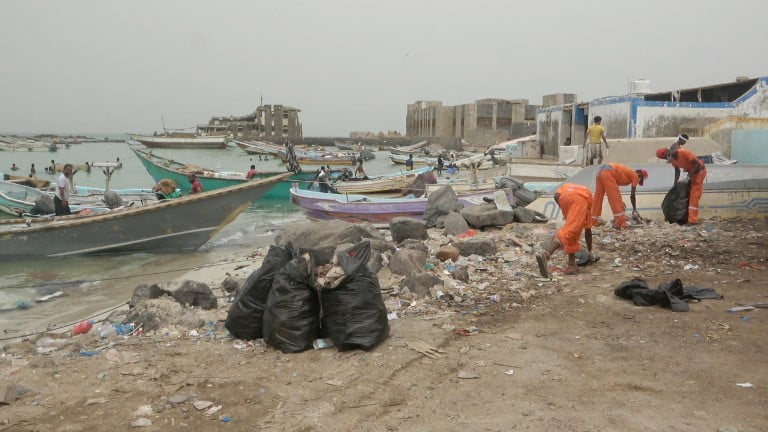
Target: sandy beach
{"points": [[510, 351]]}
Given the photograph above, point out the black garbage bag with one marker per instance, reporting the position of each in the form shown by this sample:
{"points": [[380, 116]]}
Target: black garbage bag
{"points": [[291, 318], [353, 314], [675, 204], [245, 318], [672, 295]]}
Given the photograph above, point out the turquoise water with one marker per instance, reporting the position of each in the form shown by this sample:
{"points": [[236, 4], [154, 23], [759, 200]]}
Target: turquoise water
{"points": [[23, 281]]}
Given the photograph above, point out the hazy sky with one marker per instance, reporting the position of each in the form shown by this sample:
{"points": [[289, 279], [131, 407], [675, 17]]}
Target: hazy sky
{"points": [[117, 66]]}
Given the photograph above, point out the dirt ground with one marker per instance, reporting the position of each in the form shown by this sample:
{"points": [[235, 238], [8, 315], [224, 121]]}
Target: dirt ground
{"points": [[573, 357]]}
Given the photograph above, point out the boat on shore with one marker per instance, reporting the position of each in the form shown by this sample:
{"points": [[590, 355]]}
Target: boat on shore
{"points": [[361, 208], [729, 191], [181, 140], [160, 168], [177, 225], [259, 147], [326, 158], [413, 149], [385, 183], [401, 159], [34, 182]]}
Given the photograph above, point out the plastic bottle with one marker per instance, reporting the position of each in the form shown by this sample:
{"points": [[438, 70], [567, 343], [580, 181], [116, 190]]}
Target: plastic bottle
{"points": [[106, 331], [82, 327]]}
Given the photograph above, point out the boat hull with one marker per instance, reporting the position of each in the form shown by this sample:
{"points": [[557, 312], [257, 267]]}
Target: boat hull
{"points": [[190, 142], [179, 225]]}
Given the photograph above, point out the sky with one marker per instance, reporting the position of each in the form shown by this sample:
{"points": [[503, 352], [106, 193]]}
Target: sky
{"points": [[103, 66]]}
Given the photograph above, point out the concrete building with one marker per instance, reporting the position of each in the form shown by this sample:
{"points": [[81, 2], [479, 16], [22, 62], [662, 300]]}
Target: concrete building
{"points": [[268, 121], [481, 123], [643, 114]]}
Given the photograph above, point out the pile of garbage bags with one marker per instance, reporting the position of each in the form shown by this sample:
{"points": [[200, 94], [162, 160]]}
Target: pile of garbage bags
{"points": [[286, 304]]}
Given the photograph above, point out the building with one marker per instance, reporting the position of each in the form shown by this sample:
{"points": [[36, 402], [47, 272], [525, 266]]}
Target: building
{"points": [[482, 123], [644, 114], [268, 121]]}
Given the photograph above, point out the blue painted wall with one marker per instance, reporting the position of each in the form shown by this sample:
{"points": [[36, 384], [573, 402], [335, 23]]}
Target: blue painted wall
{"points": [[750, 146]]}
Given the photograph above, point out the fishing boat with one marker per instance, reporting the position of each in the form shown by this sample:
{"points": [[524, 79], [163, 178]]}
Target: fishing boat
{"points": [[160, 168], [259, 147], [417, 148], [341, 145], [400, 160], [23, 145], [26, 181], [326, 158], [178, 225], [362, 208], [181, 140], [729, 191], [385, 183]]}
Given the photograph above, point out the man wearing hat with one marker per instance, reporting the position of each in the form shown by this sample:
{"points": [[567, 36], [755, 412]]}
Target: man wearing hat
{"points": [[697, 172], [681, 140], [609, 177], [575, 201]]}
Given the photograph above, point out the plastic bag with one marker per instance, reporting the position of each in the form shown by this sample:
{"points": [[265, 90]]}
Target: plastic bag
{"points": [[675, 204], [291, 318], [245, 318], [353, 314]]}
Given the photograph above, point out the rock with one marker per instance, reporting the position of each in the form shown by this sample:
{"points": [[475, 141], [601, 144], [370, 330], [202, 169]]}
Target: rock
{"points": [[382, 246], [229, 285], [448, 252], [455, 224], [323, 237], [483, 215], [525, 215], [407, 261], [461, 274], [416, 245], [9, 393], [403, 228], [476, 246], [196, 294], [441, 203], [467, 375], [501, 201], [97, 401], [145, 292], [421, 283], [201, 405], [177, 399], [375, 262], [157, 313], [141, 422]]}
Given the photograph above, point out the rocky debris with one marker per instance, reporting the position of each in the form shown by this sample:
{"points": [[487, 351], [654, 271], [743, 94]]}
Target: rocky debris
{"points": [[448, 252], [501, 201], [455, 224], [416, 245], [403, 228], [477, 246], [196, 294], [323, 237], [10, 393], [524, 215], [229, 285], [421, 283], [407, 261], [144, 292], [441, 203], [483, 215], [460, 274], [155, 314]]}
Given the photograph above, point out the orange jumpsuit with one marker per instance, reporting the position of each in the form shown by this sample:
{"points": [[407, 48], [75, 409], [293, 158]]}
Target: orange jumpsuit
{"points": [[576, 204], [697, 172], [609, 178]]}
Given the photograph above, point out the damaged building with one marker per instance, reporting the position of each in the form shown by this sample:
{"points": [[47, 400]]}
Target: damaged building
{"points": [[710, 111], [266, 122]]}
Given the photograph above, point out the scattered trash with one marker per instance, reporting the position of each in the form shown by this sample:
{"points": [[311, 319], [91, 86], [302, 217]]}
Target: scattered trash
{"points": [[49, 296], [177, 399], [747, 264], [392, 316], [616, 262], [141, 422], [740, 308], [225, 419], [425, 349], [213, 410], [201, 405], [466, 331], [745, 385], [194, 333], [514, 336], [87, 353], [143, 410], [691, 267], [242, 345], [509, 372], [494, 298], [98, 401], [82, 327], [467, 375], [745, 318], [322, 343], [607, 239]]}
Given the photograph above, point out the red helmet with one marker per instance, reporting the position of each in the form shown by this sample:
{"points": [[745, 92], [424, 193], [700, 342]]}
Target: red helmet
{"points": [[662, 153]]}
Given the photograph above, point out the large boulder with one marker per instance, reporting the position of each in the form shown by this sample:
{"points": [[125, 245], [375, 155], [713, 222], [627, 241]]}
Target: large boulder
{"points": [[197, 294], [455, 224], [323, 237], [420, 283], [477, 246], [483, 215], [403, 228], [407, 261], [440, 203]]}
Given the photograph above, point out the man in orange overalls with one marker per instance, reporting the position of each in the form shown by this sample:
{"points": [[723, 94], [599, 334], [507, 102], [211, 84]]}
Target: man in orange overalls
{"points": [[685, 159], [575, 202], [609, 178]]}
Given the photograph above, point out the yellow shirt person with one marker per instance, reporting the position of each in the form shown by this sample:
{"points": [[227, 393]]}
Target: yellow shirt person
{"points": [[595, 134]]}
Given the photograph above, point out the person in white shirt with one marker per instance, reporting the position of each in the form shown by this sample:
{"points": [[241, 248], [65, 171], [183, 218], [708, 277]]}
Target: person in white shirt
{"points": [[61, 200]]}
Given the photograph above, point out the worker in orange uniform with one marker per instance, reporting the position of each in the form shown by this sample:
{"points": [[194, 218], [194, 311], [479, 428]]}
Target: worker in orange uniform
{"points": [[685, 159], [575, 202], [609, 178]]}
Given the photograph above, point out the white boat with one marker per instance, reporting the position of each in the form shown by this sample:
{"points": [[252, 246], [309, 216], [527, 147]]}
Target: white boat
{"points": [[181, 140]]}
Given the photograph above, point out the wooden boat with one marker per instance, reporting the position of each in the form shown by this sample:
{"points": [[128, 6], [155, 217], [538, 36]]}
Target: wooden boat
{"points": [[729, 190], [345, 145], [386, 183], [26, 181], [181, 140], [313, 157], [21, 144], [18, 200], [362, 208], [178, 225], [161, 168], [414, 149], [259, 147], [400, 160]]}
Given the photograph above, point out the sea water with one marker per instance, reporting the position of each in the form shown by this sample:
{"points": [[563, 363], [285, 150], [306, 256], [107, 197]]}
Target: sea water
{"points": [[94, 283]]}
